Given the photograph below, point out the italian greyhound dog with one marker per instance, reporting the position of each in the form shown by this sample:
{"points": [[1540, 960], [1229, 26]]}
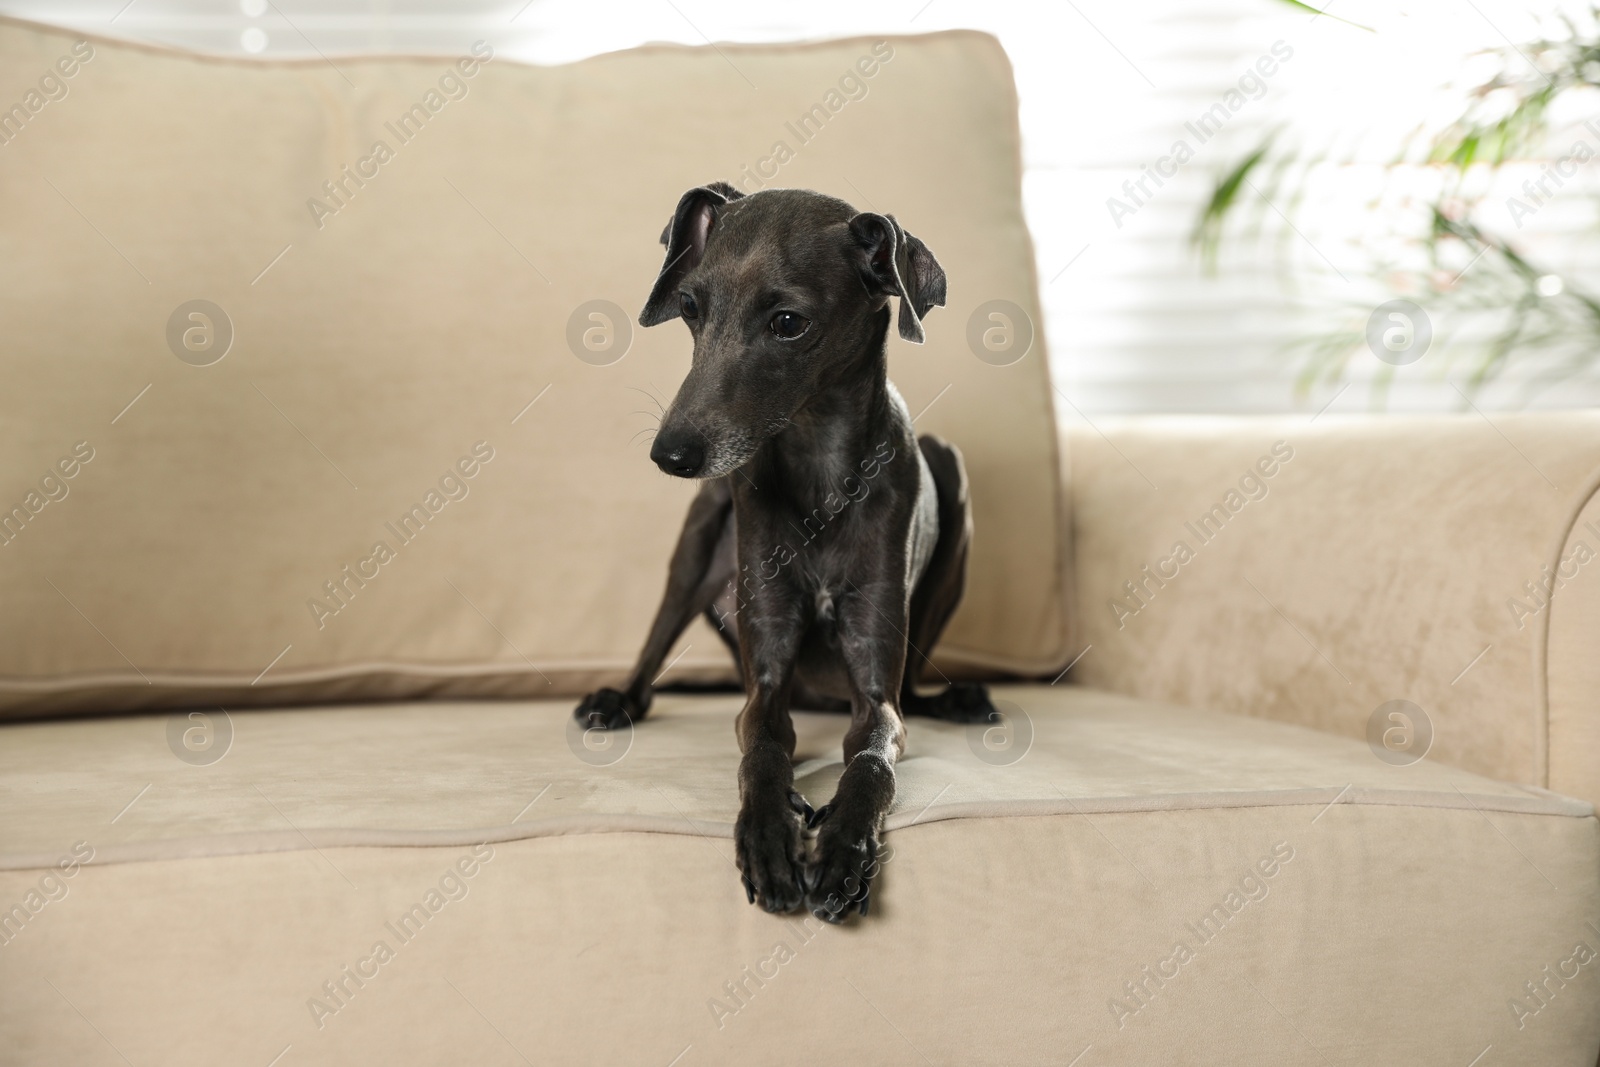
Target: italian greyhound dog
{"points": [[827, 543]]}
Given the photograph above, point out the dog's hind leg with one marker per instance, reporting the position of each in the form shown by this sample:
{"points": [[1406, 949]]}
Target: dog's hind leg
{"points": [[702, 565], [935, 597]]}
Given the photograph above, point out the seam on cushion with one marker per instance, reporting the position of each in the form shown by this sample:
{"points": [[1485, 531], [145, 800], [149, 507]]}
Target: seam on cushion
{"points": [[60, 683], [223, 59], [1541, 641], [311, 838], [1066, 543], [1066, 600], [90, 680]]}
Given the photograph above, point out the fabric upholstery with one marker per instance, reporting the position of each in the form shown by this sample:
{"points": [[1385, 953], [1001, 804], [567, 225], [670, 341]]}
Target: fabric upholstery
{"points": [[604, 922], [1388, 559]]}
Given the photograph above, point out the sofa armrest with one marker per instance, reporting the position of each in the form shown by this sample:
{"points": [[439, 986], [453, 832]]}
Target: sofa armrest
{"points": [[1311, 570]]}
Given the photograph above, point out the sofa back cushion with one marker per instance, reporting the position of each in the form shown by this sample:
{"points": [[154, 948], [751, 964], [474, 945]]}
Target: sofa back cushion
{"points": [[324, 381]]}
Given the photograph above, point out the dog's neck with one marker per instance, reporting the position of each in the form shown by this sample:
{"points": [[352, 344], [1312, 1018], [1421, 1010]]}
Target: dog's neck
{"points": [[843, 426]]}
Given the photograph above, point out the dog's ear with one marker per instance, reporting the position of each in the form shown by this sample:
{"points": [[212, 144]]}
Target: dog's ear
{"points": [[685, 237], [728, 191], [894, 263]]}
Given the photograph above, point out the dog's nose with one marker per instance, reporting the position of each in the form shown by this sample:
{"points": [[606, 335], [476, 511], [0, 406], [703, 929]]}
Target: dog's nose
{"points": [[680, 456]]}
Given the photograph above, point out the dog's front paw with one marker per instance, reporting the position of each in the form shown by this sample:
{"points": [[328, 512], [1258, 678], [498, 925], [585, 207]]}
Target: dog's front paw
{"points": [[839, 877], [608, 709], [770, 851]]}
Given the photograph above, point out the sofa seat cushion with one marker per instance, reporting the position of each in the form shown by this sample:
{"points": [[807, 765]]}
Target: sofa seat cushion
{"points": [[458, 773], [1157, 884]]}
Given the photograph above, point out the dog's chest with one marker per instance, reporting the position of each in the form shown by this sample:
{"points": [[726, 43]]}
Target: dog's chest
{"points": [[843, 544], [833, 522]]}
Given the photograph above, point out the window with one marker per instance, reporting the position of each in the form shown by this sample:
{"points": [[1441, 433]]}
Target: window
{"points": [[1109, 94]]}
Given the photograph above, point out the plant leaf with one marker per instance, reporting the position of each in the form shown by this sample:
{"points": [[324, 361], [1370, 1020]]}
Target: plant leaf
{"points": [[1207, 236], [1316, 11]]}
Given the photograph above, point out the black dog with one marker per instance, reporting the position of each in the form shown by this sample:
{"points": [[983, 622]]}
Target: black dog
{"points": [[835, 538]]}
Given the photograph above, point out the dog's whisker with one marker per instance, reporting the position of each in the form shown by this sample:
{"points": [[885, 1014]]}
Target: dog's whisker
{"points": [[652, 397]]}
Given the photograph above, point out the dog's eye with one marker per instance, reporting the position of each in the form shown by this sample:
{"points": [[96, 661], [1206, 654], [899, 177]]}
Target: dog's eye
{"points": [[787, 325], [690, 309]]}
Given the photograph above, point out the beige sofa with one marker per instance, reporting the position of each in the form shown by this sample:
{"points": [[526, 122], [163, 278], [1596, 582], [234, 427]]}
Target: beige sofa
{"points": [[276, 796]]}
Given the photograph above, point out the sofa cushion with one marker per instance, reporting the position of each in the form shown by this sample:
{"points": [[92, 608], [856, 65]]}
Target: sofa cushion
{"points": [[580, 904], [396, 349]]}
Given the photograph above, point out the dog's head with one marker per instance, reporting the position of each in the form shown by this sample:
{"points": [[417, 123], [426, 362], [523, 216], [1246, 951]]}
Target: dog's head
{"points": [[782, 291]]}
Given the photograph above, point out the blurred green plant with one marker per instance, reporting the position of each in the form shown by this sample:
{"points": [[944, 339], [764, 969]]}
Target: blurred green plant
{"points": [[1461, 273]]}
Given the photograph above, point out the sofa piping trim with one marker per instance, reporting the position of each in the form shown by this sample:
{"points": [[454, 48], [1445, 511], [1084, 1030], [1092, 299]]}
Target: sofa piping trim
{"points": [[1541, 640], [1536, 802]]}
